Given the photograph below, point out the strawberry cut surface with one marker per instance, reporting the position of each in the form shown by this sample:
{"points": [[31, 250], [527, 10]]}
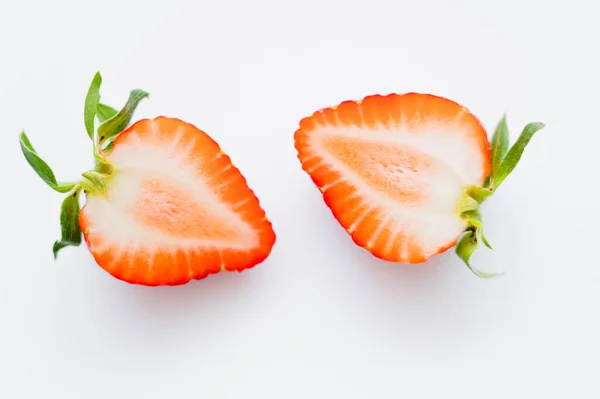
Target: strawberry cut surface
{"points": [[174, 208], [404, 174], [394, 170]]}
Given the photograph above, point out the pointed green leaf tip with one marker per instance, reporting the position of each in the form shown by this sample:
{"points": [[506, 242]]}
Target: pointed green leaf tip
{"points": [[466, 247], [116, 124], [69, 223], [479, 194], [41, 168], [105, 112], [112, 122], [513, 156], [499, 146], [503, 161], [91, 105]]}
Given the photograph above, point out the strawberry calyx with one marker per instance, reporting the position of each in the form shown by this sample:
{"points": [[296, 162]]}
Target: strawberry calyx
{"points": [[93, 182], [503, 161]]}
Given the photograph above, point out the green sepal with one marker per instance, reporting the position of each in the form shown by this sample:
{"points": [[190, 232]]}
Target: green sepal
{"points": [[473, 218], [503, 161], [100, 162], [513, 156], [69, 223], [94, 182], [105, 112], [91, 105], [109, 147], [102, 166], [479, 194], [467, 203], [465, 248], [41, 167], [499, 146], [119, 122]]}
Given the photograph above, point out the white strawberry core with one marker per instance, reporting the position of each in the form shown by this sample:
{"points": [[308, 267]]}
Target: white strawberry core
{"points": [[136, 162], [454, 161]]}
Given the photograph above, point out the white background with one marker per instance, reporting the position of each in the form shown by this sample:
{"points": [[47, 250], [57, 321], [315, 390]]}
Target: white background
{"points": [[321, 318]]}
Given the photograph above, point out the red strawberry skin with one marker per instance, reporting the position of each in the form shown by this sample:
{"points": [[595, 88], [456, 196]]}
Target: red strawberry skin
{"points": [[393, 170], [175, 209]]}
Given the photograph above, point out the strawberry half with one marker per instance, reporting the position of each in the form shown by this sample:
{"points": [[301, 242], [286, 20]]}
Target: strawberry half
{"points": [[405, 174], [164, 204]]}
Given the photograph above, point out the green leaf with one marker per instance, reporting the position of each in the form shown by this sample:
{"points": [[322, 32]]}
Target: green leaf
{"points": [[95, 181], [486, 182], [499, 147], [41, 167], [465, 248], [105, 112], [101, 165], [120, 121], [91, 104], [467, 203], [69, 224], [474, 219], [109, 147], [513, 156], [479, 194]]}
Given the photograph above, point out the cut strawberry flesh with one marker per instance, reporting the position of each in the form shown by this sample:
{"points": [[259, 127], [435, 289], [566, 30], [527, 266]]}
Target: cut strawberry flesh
{"points": [[175, 208], [394, 169]]}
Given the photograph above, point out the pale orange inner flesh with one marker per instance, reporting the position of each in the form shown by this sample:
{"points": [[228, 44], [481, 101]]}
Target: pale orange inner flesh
{"points": [[395, 171], [167, 208]]}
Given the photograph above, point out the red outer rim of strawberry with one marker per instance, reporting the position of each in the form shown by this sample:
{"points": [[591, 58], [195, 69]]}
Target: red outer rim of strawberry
{"points": [[174, 260], [502, 162]]}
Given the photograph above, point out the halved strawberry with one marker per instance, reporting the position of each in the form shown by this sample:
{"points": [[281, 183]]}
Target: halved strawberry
{"points": [[164, 204], [405, 174]]}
